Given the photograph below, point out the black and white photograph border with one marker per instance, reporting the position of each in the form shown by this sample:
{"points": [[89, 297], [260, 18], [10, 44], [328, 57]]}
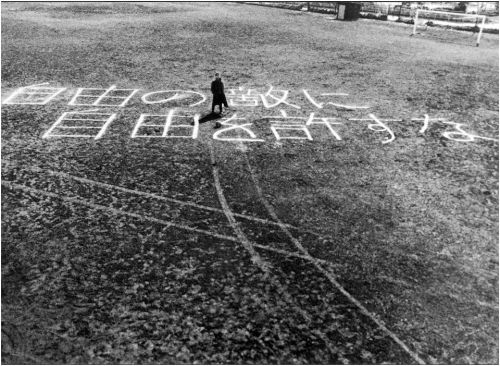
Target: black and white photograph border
{"points": [[243, 182]]}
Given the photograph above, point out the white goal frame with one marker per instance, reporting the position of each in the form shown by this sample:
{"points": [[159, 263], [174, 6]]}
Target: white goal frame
{"points": [[477, 16]]}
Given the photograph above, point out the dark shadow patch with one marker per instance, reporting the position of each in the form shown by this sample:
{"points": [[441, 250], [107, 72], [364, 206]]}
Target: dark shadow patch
{"points": [[210, 117]]}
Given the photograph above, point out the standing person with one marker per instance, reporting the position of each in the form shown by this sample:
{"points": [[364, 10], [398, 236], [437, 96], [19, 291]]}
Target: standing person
{"points": [[219, 97]]}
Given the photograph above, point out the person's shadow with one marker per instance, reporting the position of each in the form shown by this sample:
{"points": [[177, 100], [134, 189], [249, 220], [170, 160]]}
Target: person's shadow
{"points": [[210, 117]]}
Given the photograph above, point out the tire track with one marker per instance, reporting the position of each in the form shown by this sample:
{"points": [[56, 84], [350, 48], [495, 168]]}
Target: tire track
{"points": [[438, 261], [163, 198], [78, 200], [287, 253], [255, 257], [112, 210], [330, 276], [265, 266]]}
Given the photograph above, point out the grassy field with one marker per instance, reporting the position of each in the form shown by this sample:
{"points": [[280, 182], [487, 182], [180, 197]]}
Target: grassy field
{"points": [[156, 250]]}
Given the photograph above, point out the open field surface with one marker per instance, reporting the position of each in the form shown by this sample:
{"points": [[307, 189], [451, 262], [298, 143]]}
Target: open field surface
{"points": [[169, 250]]}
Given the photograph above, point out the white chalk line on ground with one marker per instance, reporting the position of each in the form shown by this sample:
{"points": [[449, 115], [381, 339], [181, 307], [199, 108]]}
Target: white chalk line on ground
{"points": [[327, 273], [213, 209], [202, 207], [208, 208], [84, 180], [150, 218], [256, 219], [82, 202], [161, 198], [166, 223], [248, 217], [265, 266], [114, 210], [400, 282], [256, 258]]}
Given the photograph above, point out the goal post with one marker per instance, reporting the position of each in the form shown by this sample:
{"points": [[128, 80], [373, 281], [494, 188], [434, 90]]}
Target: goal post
{"points": [[447, 18]]}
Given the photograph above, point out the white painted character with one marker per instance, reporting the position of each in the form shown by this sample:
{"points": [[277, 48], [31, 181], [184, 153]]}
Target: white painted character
{"points": [[321, 105], [286, 127], [34, 95], [166, 96], [274, 97], [325, 121], [81, 124], [241, 98], [238, 128], [458, 135], [463, 136], [164, 125], [426, 121], [111, 97], [379, 126]]}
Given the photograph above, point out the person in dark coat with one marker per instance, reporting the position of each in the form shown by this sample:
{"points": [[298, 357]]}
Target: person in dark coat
{"points": [[219, 98]]}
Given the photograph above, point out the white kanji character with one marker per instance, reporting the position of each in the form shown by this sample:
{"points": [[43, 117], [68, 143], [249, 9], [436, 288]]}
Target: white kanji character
{"points": [[426, 121], [177, 95], [34, 94], [166, 123], [110, 97], [319, 104], [238, 128], [239, 99], [79, 122], [463, 136], [325, 121], [277, 100], [287, 123], [337, 105], [378, 126]]}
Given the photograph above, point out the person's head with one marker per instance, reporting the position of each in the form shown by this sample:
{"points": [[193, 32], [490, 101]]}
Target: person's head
{"points": [[217, 75]]}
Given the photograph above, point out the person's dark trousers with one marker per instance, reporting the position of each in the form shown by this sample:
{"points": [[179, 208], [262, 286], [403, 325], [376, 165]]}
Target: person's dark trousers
{"points": [[219, 104], [219, 99]]}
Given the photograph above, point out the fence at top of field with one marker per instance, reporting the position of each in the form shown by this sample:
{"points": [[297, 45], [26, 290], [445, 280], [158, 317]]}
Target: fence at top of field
{"points": [[371, 8]]}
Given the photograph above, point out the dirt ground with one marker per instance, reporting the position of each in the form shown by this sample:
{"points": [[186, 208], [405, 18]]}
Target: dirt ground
{"points": [[170, 250]]}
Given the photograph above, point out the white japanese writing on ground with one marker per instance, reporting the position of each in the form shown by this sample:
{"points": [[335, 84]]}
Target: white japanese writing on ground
{"points": [[179, 122], [155, 125]]}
